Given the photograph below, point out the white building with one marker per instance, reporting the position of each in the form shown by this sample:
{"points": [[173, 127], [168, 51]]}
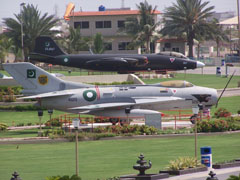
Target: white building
{"points": [[108, 23]]}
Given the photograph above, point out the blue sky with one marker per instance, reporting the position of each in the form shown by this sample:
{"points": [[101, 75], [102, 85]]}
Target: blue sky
{"points": [[11, 7]]}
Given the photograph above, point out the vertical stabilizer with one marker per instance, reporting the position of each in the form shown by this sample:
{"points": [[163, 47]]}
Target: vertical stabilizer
{"points": [[35, 80], [46, 46]]}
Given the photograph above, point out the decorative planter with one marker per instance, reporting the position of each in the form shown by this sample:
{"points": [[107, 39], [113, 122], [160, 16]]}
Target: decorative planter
{"points": [[226, 165], [185, 171]]}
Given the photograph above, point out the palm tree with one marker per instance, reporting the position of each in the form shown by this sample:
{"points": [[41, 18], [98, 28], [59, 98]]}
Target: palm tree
{"points": [[34, 25], [143, 29], [218, 34], [74, 42], [98, 44], [186, 17]]}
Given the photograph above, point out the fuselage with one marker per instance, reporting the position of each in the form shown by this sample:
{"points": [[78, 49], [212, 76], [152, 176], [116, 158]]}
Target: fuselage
{"points": [[119, 62], [96, 95]]}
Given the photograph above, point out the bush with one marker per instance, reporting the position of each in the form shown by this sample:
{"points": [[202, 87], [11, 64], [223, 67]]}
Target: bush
{"points": [[54, 133], [65, 177], [20, 124], [54, 122], [16, 90], [3, 127], [222, 112], [127, 129], [89, 136], [183, 163], [29, 107], [217, 125]]}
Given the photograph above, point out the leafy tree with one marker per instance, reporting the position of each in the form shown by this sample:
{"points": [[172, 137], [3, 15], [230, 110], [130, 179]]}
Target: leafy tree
{"points": [[98, 44], [186, 17], [142, 29], [34, 25], [218, 34], [6, 46]]}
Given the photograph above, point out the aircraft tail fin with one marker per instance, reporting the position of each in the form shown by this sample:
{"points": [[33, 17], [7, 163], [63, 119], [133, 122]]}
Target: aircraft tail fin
{"points": [[35, 80], [46, 45]]}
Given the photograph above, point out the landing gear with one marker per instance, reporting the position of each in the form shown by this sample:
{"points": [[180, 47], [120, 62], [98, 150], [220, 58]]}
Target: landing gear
{"points": [[193, 118]]}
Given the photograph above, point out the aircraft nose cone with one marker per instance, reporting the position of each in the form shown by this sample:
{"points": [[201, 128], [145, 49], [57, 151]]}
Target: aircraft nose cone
{"points": [[200, 64]]}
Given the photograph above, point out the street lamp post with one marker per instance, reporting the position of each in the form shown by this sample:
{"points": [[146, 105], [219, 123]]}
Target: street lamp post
{"points": [[238, 27], [21, 6], [76, 126], [195, 110], [40, 114], [50, 112]]}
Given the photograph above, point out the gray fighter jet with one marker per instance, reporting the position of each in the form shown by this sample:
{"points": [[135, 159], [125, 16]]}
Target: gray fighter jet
{"points": [[110, 101]]}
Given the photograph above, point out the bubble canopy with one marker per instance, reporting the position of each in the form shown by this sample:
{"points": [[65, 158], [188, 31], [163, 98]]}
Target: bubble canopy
{"points": [[176, 84]]}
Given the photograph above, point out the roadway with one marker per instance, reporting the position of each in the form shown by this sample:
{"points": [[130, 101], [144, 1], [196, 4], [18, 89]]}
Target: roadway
{"points": [[212, 70]]}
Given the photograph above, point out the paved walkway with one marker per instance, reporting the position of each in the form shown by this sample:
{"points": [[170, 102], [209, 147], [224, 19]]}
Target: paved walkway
{"points": [[221, 174]]}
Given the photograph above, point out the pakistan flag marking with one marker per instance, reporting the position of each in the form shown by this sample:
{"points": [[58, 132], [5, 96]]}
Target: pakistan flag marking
{"points": [[31, 73], [89, 95]]}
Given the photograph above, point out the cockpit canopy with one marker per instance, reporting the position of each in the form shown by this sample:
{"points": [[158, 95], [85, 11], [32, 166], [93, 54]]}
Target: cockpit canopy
{"points": [[176, 84], [174, 54]]}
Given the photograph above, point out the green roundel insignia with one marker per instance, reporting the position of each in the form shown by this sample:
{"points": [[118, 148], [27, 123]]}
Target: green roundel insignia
{"points": [[65, 59], [89, 95]]}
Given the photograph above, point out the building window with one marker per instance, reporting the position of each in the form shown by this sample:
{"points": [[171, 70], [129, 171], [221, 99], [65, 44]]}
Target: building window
{"points": [[107, 24], [124, 46], [103, 24], [99, 24], [81, 24], [175, 49], [121, 24], [108, 46]]}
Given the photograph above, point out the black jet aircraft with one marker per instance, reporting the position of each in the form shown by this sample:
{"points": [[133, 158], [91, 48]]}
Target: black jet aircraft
{"points": [[46, 50]]}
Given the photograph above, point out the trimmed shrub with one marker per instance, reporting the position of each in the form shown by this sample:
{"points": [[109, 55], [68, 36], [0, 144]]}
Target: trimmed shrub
{"points": [[222, 112], [217, 125], [183, 163], [65, 177], [54, 122], [3, 127]]}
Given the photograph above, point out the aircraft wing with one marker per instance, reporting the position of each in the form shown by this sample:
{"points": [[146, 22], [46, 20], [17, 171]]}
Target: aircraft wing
{"points": [[50, 94], [136, 101], [155, 100]]}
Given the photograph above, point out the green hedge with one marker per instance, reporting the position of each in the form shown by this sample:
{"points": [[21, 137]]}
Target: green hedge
{"points": [[219, 125], [15, 89], [29, 107]]}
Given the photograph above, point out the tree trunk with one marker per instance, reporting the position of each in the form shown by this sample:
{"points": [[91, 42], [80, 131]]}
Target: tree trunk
{"points": [[148, 46], [190, 37], [190, 50], [217, 42], [198, 53]]}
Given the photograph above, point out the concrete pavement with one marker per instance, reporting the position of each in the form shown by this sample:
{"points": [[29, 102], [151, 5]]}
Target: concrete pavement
{"points": [[221, 174], [212, 70]]}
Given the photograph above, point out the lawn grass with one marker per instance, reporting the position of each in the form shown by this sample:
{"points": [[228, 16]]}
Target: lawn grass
{"points": [[211, 81], [104, 159], [232, 104], [19, 133], [16, 117]]}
